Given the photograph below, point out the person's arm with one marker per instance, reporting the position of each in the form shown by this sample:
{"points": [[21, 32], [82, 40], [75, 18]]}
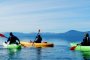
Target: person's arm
{"points": [[8, 39], [35, 39], [18, 40]]}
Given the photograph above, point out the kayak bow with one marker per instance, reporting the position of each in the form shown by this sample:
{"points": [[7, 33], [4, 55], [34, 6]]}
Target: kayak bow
{"points": [[79, 47], [12, 46]]}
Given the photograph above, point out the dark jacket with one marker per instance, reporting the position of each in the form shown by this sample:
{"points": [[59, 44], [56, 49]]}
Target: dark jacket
{"points": [[38, 39], [86, 40], [13, 40]]}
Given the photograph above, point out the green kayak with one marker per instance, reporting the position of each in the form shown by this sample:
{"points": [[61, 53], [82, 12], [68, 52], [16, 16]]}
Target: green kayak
{"points": [[11, 46], [79, 47]]}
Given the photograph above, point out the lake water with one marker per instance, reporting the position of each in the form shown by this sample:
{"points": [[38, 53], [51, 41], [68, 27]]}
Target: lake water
{"points": [[61, 51]]}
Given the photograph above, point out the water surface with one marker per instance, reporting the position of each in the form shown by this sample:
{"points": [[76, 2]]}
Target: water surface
{"points": [[61, 51]]}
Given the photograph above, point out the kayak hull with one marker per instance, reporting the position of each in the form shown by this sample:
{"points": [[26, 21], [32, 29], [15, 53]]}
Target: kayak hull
{"points": [[80, 48], [11, 46], [31, 44]]}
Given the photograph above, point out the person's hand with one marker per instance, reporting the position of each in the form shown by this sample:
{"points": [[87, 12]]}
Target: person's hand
{"points": [[78, 44], [5, 42]]}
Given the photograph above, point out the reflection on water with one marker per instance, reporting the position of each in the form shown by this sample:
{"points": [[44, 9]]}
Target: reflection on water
{"points": [[38, 53], [55, 53], [12, 53], [86, 55]]}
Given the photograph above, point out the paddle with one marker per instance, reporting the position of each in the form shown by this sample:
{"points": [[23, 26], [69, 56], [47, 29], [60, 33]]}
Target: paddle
{"points": [[73, 48], [1, 35]]}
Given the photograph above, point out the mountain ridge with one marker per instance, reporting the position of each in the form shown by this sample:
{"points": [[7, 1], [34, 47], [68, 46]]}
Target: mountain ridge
{"points": [[71, 35]]}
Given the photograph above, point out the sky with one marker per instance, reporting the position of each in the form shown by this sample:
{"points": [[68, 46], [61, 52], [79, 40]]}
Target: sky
{"points": [[47, 15]]}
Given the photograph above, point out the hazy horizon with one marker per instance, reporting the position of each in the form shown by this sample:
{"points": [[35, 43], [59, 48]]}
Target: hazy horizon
{"points": [[44, 32]]}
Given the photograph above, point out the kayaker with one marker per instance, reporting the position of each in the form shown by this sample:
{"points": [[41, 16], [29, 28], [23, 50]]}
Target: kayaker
{"points": [[86, 40], [38, 37], [13, 39]]}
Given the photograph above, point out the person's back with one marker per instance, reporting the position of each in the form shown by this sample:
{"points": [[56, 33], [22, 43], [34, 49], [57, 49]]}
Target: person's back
{"points": [[13, 39], [39, 39], [86, 40]]}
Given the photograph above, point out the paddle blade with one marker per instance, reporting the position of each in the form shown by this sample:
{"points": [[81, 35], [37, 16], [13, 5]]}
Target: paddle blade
{"points": [[1, 35], [73, 48]]}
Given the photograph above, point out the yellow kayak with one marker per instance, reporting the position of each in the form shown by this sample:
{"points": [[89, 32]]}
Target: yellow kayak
{"points": [[31, 44]]}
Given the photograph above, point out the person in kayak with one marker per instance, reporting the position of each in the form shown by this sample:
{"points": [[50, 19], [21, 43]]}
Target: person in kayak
{"points": [[38, 37], [86, 40], [13, 39]]}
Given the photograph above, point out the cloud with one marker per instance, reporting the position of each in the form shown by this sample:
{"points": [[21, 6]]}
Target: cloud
{"points": [[49, 15]]}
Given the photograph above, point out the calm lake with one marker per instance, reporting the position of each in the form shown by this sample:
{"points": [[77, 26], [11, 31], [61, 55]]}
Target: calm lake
{"points": [[61, 51]]}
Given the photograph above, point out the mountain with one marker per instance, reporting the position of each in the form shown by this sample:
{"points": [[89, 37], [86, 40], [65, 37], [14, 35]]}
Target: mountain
{"points": [[71, 35]]}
